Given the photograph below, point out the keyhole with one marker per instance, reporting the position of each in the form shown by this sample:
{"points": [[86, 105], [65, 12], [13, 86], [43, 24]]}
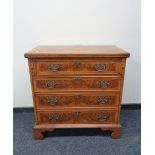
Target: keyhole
{"points": [[77, 96], [77, 113]]}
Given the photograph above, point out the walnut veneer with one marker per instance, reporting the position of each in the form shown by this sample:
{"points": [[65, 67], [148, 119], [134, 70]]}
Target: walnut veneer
{"points": [[77, 87]]}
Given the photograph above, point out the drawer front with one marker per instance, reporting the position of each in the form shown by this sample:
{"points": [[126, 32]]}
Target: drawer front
{"points": [[78, 117], [77, 100], [76, 83], [107, 66]]}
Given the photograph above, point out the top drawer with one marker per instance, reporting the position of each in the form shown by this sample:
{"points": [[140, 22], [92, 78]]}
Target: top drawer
{"points": [[79, 66]]}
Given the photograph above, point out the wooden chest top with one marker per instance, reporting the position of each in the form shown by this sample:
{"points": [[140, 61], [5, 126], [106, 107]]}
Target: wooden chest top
{"points": [[76, 51]]}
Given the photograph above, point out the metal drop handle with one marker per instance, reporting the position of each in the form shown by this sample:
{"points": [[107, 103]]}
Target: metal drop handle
{"points": [[102, 117], [54, 118], [102, 100], [50, 84], [100, 67], [52, 101], [54, 67], [103, 84]]}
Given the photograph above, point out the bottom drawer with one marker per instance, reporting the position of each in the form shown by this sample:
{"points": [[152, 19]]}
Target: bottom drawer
{"points": [[78, 117]]}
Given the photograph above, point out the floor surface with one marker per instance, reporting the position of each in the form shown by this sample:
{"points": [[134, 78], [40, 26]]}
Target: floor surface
{"points": [[78, 141]]}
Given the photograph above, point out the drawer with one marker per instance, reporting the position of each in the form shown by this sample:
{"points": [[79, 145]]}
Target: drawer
{"points": [[104, 66], [76, 83], [78, 117], [67, 100]]}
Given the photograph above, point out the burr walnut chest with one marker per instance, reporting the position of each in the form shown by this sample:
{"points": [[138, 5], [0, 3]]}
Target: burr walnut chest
{"points": [[77, 87]]}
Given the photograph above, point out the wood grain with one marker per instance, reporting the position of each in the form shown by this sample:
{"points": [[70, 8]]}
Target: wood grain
{"points": [[78, 99], [77, 87], [77, 116], [78, 67], [76, 51], [76, 83]]}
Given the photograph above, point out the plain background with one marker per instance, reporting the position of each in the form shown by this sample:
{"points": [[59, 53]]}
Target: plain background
{"points": [[148, 76], [83, 22]]}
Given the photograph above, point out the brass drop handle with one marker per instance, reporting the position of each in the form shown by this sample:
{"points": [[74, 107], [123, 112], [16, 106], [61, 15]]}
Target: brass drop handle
{"points": [[54, 118], [100, 67], [102, 100], [103, 84], [50, 84], [102, 117], [52, 101], [54, 67]]}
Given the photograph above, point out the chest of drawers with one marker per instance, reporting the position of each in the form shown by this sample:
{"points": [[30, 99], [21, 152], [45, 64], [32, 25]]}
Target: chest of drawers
{"points": [[77, 87]]}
